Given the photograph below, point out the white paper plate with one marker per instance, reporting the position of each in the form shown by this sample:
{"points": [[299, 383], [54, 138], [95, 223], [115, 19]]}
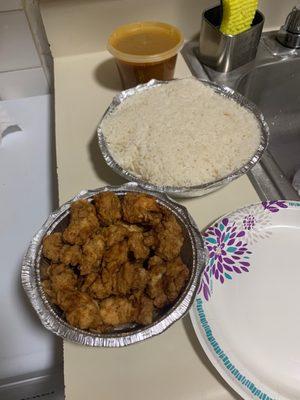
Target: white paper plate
{"points": [[247, 311]]}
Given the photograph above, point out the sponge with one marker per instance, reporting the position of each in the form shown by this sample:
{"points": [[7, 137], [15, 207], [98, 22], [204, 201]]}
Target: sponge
{"points": [[237, 15]]}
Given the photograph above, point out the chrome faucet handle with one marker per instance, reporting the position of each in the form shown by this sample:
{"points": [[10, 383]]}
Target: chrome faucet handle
{"points": [[289, 33], [292, 23]]}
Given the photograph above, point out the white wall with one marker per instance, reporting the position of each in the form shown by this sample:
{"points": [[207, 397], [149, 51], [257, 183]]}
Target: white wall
{"points": [[83, 26], [21, 72]]}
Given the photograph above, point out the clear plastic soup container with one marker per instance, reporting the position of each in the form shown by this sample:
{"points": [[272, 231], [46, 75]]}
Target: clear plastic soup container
{"points": [[145, 50]]}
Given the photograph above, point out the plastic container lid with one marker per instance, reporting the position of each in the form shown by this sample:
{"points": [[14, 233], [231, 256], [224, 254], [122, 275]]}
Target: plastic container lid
{"points": [[145, 42]]}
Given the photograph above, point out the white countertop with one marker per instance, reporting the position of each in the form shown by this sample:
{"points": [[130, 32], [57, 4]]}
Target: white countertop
{"points": [[173, 365]]}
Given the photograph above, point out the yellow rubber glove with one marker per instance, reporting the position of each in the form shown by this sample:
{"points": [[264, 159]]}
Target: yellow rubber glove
{"points": [[237, 15]]}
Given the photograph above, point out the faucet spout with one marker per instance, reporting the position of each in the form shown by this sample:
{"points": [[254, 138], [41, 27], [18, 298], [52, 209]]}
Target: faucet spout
{"points": [[289, 33]]}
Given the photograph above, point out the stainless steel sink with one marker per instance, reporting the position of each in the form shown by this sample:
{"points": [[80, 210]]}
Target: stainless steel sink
{"points": [[272, 82], [275, 88]]}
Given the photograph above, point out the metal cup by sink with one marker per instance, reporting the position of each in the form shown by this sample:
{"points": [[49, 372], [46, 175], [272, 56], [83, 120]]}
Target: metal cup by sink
{"points": [[222, 52]]}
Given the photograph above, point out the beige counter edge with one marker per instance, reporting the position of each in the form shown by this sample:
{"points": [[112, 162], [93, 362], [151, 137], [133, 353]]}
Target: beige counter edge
{"points": [[171, 366]]}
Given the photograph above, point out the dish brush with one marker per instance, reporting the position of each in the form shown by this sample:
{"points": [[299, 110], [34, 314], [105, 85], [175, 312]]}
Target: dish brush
{"points": [[238, 15]]}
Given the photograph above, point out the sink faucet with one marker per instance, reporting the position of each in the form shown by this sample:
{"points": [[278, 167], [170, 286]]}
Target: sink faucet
{"points": [[289, 33]]}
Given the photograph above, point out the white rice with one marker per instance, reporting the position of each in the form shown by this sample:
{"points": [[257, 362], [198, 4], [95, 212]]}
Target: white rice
{"points": [[181, 134]]}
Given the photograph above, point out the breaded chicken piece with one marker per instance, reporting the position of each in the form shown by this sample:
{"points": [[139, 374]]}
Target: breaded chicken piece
{"points": [[155, 260], [92, 254], [80, 309], [70, 255], [117, 311], [47, 287], [108, 208], [131, 278], [114, 234], [83, 315], [167, 279], [140, 208], [83, 223], [140, 278], [62, 277], [81, 209], [118, 253], [109, 276], [150, 239], [118, 279], [169, 238], [145, 309], [131, 228], [88, 280], [155, 287], [175, 278], [106, 282], [52, 245], [100, 290], [66, 299], [137, 246], [118, 232]]}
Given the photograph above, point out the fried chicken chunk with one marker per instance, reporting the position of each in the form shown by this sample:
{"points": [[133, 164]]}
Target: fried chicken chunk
{"points": [[118, 253], [92, 254], [62, 277], [80, 309], [118, 232], [130, 228], [100, 290], [119, 280], [140, 208], [49, 291], [131, 278], [52, 245], [83, 223], [109, 276], [70, 255], [176, 276], [116, 311], [105, 283], [145, 310], [167, 279], [88, 280], [150, 239], [137, 246], [108, 208], [169, 238], [114, 234], [155, 287]]}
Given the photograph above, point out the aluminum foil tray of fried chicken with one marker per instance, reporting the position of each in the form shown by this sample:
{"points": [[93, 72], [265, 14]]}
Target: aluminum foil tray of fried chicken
{"points": [[114, 266]]}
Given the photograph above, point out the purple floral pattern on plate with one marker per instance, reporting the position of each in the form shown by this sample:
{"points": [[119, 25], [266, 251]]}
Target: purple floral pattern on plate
{"points": [[253, 220], [228, 254], [228, 243], [274, 205]]}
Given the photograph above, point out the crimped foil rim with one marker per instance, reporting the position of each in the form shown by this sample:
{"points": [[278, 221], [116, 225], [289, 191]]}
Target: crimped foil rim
{"points": [[185, 191], [31, 280]]}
